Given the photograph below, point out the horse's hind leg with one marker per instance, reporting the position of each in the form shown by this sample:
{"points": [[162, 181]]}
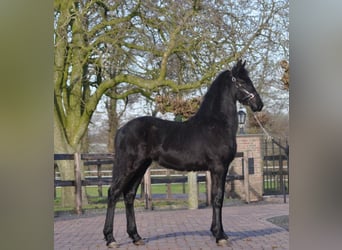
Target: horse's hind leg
{"points": [[120, 180], [114, 193], [129, 196]]}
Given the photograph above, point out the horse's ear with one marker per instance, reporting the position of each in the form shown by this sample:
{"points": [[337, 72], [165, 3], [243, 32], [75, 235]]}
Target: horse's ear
{"points": [[244, 63], [237, 67], [239, 63]]}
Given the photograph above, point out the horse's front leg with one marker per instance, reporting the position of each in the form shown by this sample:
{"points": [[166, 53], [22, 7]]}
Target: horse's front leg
{"points": [[218, 185]]}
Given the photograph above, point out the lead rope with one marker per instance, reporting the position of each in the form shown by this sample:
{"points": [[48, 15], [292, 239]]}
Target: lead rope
{"points": [[269, 137]]}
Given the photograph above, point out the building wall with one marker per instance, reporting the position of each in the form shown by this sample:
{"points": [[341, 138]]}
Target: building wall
{"points": [[251, 146]]}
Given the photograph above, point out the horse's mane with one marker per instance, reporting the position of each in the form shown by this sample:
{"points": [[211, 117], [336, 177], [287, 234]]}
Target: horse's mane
{"points": [[212, 99]]}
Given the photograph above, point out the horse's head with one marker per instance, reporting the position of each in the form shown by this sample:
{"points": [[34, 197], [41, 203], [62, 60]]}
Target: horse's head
{"points": [[246, 93]]}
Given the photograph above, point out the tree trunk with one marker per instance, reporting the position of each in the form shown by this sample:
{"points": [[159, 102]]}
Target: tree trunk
{"points": [[112, 123], [67, 168]]}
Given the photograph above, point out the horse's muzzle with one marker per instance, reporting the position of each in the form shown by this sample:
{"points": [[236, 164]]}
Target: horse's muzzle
{"points": [[256, 106]]}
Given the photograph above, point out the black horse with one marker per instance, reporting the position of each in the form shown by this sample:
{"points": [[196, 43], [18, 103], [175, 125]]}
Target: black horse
{"points": [[207, 141]]}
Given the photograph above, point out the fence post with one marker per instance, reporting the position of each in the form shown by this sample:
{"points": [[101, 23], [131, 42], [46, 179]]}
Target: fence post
{"points": [[281, 173], [148, 194], [183, 185], [142, 189], [193, 193], [246, 180], [78, 183], [168, 186], [208, 187], [54, 179], [99, 176]]}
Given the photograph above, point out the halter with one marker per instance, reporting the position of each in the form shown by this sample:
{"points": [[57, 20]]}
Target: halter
{"points": [[249, 96]]}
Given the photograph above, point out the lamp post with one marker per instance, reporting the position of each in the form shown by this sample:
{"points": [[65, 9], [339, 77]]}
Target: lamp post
{"points": [[242, 120]]}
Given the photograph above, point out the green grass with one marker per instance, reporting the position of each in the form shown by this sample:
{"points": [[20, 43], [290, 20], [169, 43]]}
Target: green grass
{"points": [[96, 202], [274, 186]]}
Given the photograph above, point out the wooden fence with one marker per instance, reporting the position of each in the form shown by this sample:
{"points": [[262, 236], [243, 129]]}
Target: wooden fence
{"points": [[99, 179]]}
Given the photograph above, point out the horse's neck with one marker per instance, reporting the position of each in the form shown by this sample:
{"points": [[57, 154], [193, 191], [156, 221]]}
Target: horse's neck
{"points": [[218, 102]]}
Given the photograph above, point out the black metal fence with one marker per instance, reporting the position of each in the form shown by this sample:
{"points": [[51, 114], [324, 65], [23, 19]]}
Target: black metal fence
{"points": [[276, 167]]}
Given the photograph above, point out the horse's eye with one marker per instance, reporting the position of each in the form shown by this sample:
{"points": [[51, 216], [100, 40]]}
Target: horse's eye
{"points": [[233, 79]]}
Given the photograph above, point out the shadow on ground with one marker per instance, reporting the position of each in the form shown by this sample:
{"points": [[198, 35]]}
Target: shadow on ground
{"points": [[281, 221], [233, 236]]}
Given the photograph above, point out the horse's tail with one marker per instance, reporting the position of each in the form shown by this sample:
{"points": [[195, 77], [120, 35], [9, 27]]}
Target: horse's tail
{"points": [[116, 170]]}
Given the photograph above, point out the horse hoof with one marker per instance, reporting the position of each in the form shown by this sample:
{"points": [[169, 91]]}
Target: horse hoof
{"points": [[139, 242], [113, 244], [223, 243]]}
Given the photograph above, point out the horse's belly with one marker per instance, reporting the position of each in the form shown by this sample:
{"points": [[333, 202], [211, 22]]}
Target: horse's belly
{"points": [[183, 161]]}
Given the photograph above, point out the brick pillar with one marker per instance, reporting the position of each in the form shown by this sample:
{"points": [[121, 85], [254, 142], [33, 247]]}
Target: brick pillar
{"points": [[251, 146]]}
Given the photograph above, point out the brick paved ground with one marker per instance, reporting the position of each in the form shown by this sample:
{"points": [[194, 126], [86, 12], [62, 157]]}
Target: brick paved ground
{"points": [[245, 225]]}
